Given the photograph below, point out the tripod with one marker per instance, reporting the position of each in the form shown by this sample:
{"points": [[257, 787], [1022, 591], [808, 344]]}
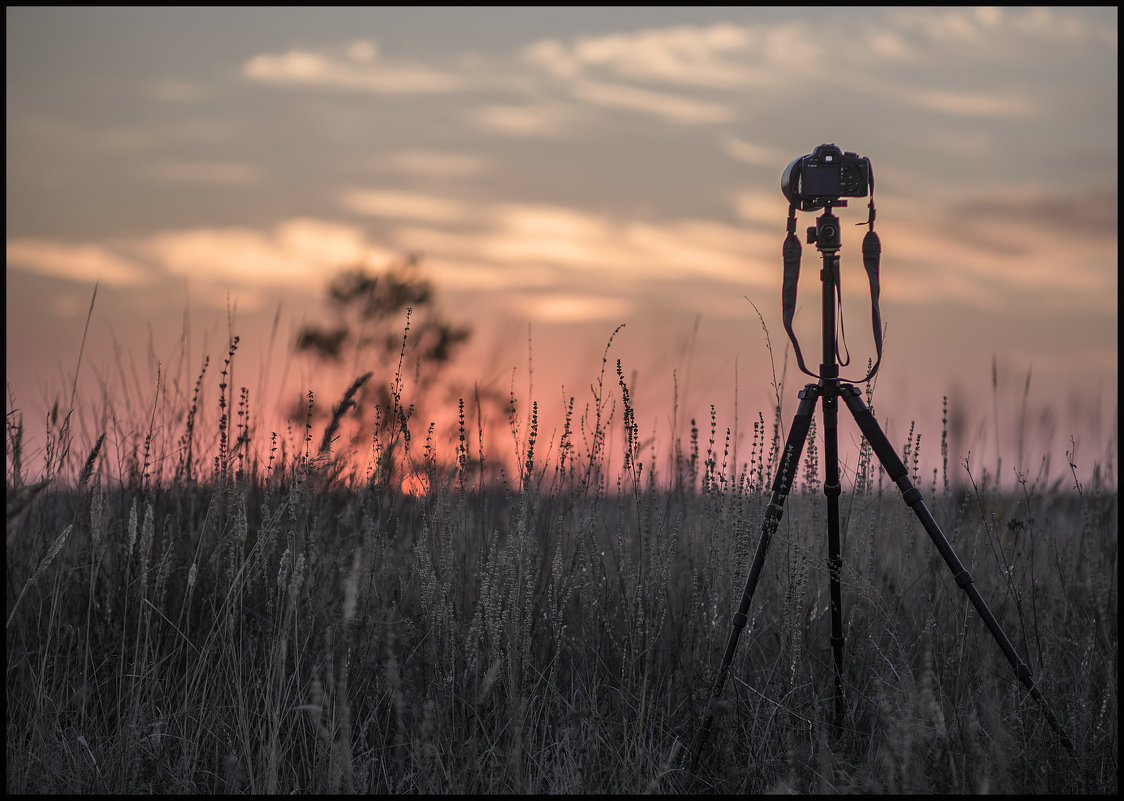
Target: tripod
{"points": [[830, 389]]}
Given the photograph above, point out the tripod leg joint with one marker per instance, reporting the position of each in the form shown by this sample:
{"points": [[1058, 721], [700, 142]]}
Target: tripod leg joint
{"points": [[963, 579], [910, 494]]}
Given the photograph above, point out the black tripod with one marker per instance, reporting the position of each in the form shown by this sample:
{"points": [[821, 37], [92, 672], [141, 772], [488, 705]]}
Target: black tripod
{"points": [[831, 388]]}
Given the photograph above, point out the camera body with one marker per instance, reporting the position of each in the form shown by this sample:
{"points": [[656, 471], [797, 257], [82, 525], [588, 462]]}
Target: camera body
{"points": [[825, 175]]}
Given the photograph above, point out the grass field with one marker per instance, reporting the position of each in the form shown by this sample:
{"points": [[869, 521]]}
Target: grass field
{"points": [[235, 623]]}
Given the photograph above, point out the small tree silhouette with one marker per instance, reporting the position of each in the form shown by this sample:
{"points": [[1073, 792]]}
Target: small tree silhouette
{"points": [[387, 321]]}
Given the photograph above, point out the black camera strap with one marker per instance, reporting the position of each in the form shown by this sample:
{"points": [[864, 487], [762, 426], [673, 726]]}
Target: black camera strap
{"points": [[872, 259], [791, 254], [872, 256]]}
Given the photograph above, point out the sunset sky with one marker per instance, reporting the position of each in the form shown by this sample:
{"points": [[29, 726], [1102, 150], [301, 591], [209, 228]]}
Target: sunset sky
{"points": [[566, 170]]}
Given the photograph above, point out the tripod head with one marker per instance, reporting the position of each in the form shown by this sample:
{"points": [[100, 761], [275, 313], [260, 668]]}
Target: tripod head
{"points": [[813, 172], [825, 233]]}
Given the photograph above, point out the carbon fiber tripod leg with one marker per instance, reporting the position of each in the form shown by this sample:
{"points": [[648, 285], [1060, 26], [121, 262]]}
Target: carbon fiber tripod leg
{"points": [[912, 496], [832, 490], [794, 445]]}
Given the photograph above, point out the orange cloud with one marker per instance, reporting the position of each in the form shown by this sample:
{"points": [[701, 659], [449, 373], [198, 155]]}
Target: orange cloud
{"points": [[398, 204], [300, 252], [567, 307], [76, 262]]}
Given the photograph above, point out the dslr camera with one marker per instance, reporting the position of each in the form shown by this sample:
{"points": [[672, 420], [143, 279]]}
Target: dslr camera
{"points": [[825, 175]]}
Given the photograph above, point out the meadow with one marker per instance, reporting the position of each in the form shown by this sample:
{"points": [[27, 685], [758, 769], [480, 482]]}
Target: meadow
{"points": [[190, 614]]}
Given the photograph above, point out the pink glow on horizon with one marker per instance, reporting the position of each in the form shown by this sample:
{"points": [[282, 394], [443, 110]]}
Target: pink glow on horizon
{"points": [[665, 397]]}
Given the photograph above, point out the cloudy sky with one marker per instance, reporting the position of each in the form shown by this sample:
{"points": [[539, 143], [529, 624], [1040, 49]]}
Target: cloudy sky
{"points": [[566, 170]]}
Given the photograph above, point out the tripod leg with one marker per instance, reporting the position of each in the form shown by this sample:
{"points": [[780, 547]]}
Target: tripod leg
{"points": [[794, 445], [912, 496], [832, 489]]}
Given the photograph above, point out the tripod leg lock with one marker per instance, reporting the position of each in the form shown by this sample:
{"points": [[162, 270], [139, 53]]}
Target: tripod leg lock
{"points": [[910, 494], [963, 579]]}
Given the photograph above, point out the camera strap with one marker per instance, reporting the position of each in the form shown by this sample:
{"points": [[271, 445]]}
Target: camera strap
{"points": [[872, 256], [790, 252], [872, 259]]}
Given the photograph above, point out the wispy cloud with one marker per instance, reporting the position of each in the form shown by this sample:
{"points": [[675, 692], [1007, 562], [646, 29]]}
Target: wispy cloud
{"points": [[563, 307], [645, 70], [982, 252], [751, 153], [358, 66], [294, 253], [698, 249], [699, 74], [984, 30], [436, 163], [548, 234], [525, 120], [686, 56], [82, 262], [518, 241], [663, 104], [650, 71], [402, 205], [1002, 105], [299, 252], [218, 173]]}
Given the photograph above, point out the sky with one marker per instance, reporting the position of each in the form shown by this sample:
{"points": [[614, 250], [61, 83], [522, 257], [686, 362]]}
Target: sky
{"points": [[564, 171]]}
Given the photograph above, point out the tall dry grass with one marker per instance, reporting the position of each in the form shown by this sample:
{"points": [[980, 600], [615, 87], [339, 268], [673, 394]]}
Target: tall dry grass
{"points": [[190, 615]]}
